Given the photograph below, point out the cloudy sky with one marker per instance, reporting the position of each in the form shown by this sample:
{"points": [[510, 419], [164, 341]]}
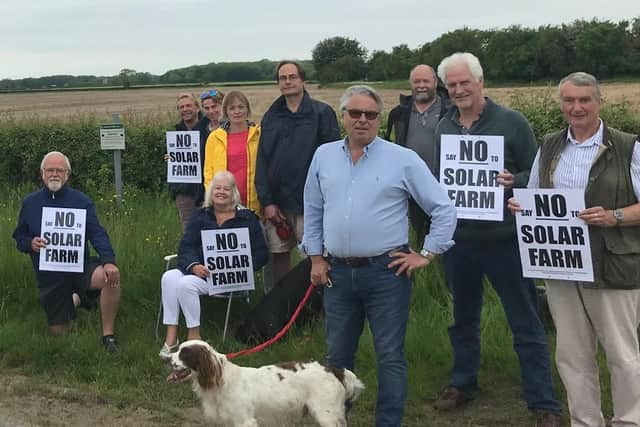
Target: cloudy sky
{"points": [[44, 37]]}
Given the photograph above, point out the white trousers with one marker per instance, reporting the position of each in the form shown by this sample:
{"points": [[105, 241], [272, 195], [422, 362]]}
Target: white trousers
{"points": [[182, 292], [584, 317]]}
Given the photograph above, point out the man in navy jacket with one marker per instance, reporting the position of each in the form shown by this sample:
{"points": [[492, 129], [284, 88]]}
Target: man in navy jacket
{"points": [[60, 292]]}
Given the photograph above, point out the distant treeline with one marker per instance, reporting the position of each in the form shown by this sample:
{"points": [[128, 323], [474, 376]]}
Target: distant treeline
{"points": [[263, 70], [514, 54]]}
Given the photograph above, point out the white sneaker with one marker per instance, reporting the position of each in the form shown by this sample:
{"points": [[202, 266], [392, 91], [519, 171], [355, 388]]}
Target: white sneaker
{"points": [[166, 351]]}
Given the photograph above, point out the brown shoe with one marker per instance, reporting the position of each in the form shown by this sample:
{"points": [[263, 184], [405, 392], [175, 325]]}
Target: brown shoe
{"points": [[547, 419], [451, 398]]}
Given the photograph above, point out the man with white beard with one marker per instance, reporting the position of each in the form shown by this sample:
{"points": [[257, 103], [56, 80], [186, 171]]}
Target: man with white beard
{"points": [[414, 121], [60, 292]]}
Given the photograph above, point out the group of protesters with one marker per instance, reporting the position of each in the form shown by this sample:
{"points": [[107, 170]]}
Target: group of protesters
{"points": [[346, 203]]}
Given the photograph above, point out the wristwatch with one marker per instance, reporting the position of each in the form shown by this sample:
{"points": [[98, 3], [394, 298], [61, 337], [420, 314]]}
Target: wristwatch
{"points": [[428, 255], [618, 215]]}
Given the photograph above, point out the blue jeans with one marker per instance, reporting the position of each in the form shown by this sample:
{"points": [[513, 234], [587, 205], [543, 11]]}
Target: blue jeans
{"points": [[465, 266], [373, 292]]}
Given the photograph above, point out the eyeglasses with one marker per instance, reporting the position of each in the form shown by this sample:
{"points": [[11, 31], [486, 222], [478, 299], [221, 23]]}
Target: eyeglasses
{"points": [[369, 115], [59, 171], [290, 77], [209, 94]]}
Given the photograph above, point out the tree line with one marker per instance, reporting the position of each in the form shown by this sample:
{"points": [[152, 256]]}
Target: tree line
{"points": [[263, 70], [513, 54]]}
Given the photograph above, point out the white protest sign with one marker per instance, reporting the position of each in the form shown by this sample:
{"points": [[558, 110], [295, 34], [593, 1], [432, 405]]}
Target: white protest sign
{"points": [[183, 149], [469, 166], [63, 229], [227, 256], [553, 241]]}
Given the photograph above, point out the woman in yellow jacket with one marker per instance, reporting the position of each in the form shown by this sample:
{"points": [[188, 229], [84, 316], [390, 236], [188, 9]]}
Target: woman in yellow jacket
{"points": [[234, 147]]}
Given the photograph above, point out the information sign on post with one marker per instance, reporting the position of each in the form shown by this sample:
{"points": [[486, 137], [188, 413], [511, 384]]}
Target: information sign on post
{"points": [[112, 136]]}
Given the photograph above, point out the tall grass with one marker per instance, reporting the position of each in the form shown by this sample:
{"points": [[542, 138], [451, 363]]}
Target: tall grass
{"points": [[143, 230]]}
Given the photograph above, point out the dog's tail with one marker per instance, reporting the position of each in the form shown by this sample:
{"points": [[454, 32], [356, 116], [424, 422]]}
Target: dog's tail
{"points": [[352, 385]]}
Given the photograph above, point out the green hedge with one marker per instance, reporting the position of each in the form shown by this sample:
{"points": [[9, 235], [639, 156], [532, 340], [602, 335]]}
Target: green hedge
{"points": [[25, 141]]}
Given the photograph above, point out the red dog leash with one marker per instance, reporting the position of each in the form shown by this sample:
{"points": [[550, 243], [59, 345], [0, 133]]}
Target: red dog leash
{"points": [[282, 331]]}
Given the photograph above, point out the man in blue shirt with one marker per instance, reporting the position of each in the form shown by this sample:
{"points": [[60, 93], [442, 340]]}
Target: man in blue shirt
{"points": [[355, 211]]}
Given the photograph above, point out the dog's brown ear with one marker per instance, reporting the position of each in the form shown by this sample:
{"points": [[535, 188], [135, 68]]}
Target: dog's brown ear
{"points": [[198, 358]]}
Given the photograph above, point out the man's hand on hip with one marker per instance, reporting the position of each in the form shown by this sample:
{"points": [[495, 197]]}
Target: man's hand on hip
{"points": [[408, 262]]}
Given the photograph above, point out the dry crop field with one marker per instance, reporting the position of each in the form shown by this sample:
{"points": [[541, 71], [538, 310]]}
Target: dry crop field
{"points": [[61, 105]]}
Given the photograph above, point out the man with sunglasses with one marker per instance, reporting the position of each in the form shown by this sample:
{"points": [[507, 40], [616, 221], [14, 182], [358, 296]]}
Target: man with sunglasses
{"points": [[61, 292], [188, 196], [291, 130], [414, 122], [355, 212]]}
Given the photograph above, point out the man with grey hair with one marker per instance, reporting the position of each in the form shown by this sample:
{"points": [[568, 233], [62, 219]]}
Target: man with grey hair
{"points": [[606, 163], [491, 249], [61, 291], [355, 213], [414, 122]]}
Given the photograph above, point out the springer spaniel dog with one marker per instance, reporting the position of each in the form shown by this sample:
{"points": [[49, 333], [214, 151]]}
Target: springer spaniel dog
{"points": [[275, 395]]}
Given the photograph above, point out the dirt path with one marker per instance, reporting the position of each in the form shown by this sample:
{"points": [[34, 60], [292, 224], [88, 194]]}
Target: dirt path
{"points": [[26, 404]]}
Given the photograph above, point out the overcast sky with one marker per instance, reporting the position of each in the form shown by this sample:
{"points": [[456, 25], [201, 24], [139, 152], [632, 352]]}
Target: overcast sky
{"points": [[44, 37]]}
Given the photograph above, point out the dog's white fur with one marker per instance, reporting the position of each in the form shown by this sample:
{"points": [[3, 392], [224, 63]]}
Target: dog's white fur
{"points": [[270, 395]]}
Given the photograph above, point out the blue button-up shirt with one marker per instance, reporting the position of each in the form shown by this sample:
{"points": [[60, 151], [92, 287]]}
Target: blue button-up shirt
{"points": [[360, 210]]}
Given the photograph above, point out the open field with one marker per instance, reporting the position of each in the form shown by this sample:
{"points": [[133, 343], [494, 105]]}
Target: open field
{"points": [[153, 101]]}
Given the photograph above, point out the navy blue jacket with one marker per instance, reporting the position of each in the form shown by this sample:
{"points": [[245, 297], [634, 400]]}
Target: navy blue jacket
{"points": [[287, 144], [190, 250], [30, 221]]}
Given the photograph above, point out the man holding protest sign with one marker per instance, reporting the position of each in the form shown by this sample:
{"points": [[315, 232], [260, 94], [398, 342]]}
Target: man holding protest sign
{"points": [[355, 208], [488, 134], [604, 163], [188, 195], [54, 226]]}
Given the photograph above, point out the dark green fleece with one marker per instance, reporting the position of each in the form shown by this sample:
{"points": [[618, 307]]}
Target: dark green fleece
{"points": [[520, 148]]}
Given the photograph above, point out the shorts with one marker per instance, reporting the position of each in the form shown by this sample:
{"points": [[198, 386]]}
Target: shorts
{"points": [[56, 295], [275, 243]]}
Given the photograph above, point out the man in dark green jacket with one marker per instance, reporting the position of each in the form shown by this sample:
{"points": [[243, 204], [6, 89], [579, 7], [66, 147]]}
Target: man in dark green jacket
{"points": [[606, 163], [490, 248]]}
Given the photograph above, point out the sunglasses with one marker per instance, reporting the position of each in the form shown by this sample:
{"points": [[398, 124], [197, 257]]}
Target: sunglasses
{"points": [[208, 94], [369, 115]]}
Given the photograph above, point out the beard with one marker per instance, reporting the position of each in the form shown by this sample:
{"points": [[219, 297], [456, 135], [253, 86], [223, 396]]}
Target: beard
{"points": [[54, 185], [424, 97]]}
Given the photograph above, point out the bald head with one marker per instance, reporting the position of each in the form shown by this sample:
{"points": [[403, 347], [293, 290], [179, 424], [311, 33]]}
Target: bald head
{"points": [[422, 69], [423, 82]]}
